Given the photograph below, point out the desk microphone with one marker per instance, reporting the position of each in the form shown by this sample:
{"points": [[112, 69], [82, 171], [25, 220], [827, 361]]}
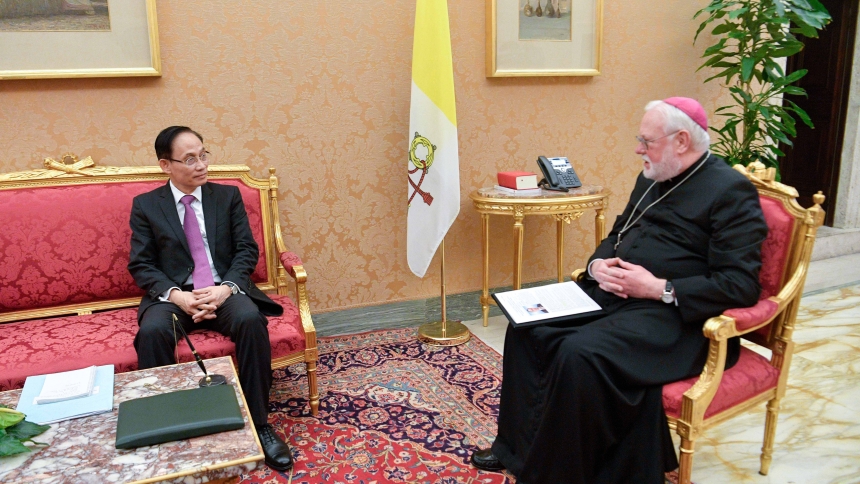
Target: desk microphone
{"points": [[208, 380]]}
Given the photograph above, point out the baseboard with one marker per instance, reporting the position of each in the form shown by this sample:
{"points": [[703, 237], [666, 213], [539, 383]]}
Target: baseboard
{"points": [[831, 242], [460, 307]]}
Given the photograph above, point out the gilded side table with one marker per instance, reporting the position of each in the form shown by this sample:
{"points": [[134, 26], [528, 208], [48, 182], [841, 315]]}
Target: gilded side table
{"points": [[82, 450], [563, 206]]}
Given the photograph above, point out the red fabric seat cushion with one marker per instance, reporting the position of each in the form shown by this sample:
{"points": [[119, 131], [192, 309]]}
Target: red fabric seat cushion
{"points": [[751, 376], [52, 345]]}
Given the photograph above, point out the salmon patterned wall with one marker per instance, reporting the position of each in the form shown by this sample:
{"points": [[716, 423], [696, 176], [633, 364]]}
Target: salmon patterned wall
{"points": [[320, 91]]}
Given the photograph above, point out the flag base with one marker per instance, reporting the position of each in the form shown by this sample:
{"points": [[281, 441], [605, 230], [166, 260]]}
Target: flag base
{"points": [[444, 333]]}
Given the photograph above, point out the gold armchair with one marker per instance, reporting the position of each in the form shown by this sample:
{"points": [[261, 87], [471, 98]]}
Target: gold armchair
{"points": [[695, 404]]}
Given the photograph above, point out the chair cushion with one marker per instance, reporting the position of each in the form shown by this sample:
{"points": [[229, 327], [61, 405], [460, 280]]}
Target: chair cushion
{"points": [[752, 316], [752, 375], [52, 345]]}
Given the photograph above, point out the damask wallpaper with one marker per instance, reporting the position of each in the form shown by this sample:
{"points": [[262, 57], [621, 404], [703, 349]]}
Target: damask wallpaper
{"points": [[320, 91]]}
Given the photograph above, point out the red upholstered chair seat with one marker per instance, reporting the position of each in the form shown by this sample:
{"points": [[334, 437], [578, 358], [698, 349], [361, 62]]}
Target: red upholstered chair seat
{"points": [[108, 338], [752, 375]]}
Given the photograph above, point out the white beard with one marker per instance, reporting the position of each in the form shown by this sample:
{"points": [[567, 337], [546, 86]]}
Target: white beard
{"points": [[669, 166]]}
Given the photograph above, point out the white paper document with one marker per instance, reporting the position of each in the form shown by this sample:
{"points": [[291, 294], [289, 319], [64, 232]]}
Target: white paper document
{"points": [[99, 401], [540, 303], [67, 385]]}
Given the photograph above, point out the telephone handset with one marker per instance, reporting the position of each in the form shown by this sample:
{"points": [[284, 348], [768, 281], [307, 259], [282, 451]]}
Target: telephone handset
{"points": [[558, 174]]}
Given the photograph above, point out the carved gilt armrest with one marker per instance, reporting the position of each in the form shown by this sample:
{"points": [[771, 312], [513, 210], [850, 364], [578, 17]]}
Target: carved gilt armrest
{"points": [[294, 267]]}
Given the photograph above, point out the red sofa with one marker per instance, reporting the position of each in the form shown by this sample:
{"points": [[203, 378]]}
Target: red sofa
{"points": [[67, 299]]}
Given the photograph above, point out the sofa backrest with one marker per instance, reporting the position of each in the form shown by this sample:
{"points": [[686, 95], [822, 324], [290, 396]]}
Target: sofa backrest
{"points": [[64, 245]]}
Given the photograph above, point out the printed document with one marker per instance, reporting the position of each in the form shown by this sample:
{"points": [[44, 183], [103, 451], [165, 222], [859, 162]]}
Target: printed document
{"points": [[67, 385], [525, 307]]}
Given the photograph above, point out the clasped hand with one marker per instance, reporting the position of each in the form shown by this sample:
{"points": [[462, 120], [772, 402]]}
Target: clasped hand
{"points": [[626, 280], [201, 303]]}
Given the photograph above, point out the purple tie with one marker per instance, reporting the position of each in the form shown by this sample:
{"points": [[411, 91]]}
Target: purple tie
{"points": [[202, 275]]}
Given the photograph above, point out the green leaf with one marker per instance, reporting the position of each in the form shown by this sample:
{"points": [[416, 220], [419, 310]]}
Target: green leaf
{"points": [[734, 14], [788, 50], [26, 430], [727, 73], [9, 417], [795, 76], [780, 8], [715, 48], [805, 30], [800, 114], [724, 27], [794, 91], [10, 446]]}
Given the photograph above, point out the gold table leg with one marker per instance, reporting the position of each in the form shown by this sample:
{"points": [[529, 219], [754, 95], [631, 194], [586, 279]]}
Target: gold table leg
{"points": [[485, 254], [559, 242], [518, 247]]}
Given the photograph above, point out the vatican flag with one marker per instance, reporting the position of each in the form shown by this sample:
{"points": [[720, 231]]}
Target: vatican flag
{"points": [[434, 166]]}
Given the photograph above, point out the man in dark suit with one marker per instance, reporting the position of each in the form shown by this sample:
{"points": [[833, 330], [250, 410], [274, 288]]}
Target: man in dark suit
{"points": [[192, 252], [581, 402]]}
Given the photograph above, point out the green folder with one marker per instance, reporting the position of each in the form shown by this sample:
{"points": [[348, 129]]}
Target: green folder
{"points": [[177, 415]]}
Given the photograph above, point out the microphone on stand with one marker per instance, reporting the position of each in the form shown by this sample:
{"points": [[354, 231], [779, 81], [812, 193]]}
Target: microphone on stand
{"points": [[208, 380]]}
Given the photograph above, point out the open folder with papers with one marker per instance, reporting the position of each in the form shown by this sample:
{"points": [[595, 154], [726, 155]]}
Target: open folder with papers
{"points": [[546, 304]]}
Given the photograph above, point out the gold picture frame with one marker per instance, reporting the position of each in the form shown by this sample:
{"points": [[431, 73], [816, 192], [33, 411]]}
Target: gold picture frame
{"points": [[127, 47], [543, 37]]}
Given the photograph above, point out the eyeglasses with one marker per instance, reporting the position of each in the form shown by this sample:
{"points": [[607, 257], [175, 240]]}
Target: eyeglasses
{"points": [[192, 160], [646, 141]]}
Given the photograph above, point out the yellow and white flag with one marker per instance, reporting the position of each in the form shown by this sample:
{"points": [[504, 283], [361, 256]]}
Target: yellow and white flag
{"points": [[434, 166]]}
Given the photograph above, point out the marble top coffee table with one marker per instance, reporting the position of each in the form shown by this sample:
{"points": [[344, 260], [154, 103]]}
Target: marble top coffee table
{"points": [[82, 450]]}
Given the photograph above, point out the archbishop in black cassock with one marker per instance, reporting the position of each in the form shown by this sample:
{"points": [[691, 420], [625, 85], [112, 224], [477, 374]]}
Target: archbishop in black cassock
{"points": [[582, 402]]}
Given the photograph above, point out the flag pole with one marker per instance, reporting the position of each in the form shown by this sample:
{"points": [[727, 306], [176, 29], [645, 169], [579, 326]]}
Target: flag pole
{"points": [[444, 333]]}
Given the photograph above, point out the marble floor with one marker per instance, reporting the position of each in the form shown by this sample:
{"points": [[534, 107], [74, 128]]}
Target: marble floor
{"points": [[818, 434]]}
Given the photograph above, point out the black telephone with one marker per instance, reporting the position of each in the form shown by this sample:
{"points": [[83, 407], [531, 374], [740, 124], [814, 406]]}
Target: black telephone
{"points": [[558, 174]]}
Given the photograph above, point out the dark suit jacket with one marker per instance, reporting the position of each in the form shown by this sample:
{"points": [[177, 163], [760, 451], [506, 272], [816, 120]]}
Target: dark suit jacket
{"points": [[160, 258]]}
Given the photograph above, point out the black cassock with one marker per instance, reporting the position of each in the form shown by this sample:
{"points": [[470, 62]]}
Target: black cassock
{"points": [[582, 403]]}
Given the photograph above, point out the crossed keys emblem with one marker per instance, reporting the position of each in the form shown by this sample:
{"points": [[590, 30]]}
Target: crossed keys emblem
{"points": [[423, 165]]}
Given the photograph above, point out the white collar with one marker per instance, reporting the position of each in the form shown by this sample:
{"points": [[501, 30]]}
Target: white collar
{"points": [[177, 194]]}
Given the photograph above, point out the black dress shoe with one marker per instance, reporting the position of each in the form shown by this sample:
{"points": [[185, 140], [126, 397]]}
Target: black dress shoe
{"points": [[277, 452], [485, 460]]}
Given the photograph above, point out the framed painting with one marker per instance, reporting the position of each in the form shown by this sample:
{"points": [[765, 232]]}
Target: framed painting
{"points": [[78, 38], [543, 37]]}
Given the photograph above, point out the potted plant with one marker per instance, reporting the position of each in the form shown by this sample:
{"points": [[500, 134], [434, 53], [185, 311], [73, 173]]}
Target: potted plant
{"points": [[753, 35]]}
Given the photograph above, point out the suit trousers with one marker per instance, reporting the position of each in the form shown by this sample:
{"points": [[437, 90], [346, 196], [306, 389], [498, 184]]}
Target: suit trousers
{"points": [[239, 319]]}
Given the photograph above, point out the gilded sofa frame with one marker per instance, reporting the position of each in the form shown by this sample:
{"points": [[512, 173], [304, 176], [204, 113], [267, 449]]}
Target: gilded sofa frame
{"points": [[71, 171]]}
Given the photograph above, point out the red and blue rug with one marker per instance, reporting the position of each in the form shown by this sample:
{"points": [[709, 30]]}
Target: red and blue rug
{"points": [[392, 410]]}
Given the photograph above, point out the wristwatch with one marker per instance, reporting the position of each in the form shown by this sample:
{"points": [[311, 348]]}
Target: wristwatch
{"points": [[234, 289], [668, 293]]}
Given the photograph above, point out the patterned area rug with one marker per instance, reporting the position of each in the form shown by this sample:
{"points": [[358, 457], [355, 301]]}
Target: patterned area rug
{"points": [[391, 410]]}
